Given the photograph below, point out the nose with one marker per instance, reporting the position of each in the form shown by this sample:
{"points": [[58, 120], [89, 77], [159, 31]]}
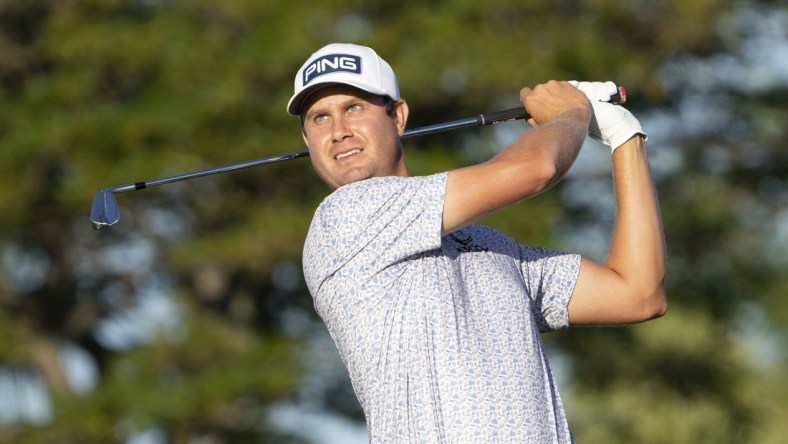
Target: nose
{"points": [[340, 130]]}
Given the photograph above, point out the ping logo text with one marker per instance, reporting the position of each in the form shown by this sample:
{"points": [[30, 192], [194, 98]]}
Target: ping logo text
{"points": [[332, 63]]}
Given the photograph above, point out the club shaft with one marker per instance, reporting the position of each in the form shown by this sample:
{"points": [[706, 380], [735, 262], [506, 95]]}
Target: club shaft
{"points": [[207, 172], [480, 120]]}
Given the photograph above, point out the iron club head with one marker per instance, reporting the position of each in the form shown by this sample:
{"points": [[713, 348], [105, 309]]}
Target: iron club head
{"points": [[104, 212]]}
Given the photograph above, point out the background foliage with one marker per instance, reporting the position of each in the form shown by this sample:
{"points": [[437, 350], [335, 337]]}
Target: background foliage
{"points": [[189, 320]]}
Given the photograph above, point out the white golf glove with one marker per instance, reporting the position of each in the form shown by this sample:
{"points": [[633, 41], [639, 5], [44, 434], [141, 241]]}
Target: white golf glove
{"points": [[597, 91], [611, 124]]}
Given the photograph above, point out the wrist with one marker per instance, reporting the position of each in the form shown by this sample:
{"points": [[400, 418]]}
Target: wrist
{"points": [[630, 136], [637, 141], [613, 125], [580, 114]]}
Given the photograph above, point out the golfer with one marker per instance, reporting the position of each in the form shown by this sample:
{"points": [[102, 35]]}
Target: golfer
{"points": [[438, 320]]}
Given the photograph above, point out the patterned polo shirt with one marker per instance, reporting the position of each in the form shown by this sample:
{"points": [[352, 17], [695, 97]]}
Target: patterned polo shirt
{"points": [[440, 335]]}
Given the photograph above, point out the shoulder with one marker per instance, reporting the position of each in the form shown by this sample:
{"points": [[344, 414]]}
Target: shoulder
{"points": [[356, 199], [377, 187], [364, 190], [380, 219], [369, 204]]}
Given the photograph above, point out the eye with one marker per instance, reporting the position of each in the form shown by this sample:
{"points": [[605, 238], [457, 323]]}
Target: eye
{"points": [[354, 107]]}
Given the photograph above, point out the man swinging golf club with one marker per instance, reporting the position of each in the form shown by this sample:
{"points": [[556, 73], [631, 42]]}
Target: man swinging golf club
{"points": [[438, 320]]}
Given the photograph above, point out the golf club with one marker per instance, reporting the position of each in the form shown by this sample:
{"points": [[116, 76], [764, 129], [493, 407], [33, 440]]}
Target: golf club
{"points": [[105, 212]]}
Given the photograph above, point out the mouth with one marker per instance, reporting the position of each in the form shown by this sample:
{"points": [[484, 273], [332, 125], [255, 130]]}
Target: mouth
{"points": [[347, 154]]}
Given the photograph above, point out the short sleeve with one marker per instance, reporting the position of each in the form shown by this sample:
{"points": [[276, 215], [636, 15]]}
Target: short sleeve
{"points": [[550, 277], [366, 226]]}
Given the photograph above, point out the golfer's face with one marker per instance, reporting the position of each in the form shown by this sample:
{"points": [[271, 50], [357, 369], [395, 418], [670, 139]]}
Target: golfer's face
{"points": [[351, 137]]}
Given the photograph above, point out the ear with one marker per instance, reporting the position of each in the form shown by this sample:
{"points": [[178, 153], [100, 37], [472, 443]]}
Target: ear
{"points": [[401, 115]]}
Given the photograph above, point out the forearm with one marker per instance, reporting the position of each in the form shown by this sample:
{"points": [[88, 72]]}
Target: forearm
{"points": [[551, 148], [560, 115], [531, 165], [637, 251]]}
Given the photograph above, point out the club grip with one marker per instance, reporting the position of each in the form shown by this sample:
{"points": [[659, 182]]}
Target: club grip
{"points": [[506, 115], [519, 112]]}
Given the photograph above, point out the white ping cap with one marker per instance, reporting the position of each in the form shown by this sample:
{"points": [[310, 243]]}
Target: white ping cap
{"points": [[347, 64]]}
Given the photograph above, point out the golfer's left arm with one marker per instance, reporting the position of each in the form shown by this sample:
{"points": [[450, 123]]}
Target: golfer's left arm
{"points": [[629, 286]]}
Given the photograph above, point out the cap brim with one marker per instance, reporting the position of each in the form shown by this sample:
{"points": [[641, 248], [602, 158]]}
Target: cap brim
{"points": [[297, 101]]}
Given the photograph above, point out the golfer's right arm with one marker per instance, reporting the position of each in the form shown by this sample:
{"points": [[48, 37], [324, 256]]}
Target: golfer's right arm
{"points": [[560, 115]]}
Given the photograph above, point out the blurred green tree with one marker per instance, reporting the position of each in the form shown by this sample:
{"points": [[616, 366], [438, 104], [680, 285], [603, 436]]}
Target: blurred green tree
{"points": [[193, 309]]}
